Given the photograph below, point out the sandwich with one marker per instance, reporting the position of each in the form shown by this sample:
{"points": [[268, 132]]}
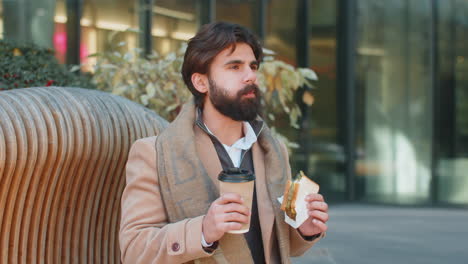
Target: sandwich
{"points": [[295, 192]]}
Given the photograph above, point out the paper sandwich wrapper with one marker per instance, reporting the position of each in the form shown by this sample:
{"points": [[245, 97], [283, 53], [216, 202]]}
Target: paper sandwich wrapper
{"points": [[306, 186]]}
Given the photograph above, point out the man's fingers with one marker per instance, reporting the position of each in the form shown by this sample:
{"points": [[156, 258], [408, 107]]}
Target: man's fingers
{"points": [[228, 226], [230, 198], [320, 225], [235, 207], [315, 205], [323, 217], [235, 217], [314, 197]]}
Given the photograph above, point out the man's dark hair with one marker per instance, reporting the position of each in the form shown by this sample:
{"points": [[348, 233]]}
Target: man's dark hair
{"points": [[210, 40]]}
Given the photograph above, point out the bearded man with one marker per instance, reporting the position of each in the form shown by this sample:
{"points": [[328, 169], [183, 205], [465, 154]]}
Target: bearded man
{"points": [[171, 208]]}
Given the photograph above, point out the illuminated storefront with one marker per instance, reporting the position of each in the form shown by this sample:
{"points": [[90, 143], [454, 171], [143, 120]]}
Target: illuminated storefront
{"points": [[390, 118]]}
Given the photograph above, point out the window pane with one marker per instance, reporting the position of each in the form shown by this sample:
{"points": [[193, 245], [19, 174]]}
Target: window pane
{"points": [[236, 11], [28, 21], [1, 19], [281, 33], [100, 18], [324, 156], [174, 22], [394, 115], [453, 56], [60, 31]]}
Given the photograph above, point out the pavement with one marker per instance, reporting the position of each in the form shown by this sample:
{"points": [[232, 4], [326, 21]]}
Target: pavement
{"points": [[361, 234]]}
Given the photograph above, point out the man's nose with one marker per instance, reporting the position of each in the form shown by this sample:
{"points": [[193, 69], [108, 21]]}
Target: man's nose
{"points": [[250, 76]]}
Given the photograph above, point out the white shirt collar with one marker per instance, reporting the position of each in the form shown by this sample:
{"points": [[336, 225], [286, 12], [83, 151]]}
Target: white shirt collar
{"points": [[249, 138], [245, 142]]}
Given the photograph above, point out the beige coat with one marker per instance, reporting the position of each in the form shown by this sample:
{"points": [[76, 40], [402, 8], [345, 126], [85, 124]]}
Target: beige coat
{"points": [[145, 234]]}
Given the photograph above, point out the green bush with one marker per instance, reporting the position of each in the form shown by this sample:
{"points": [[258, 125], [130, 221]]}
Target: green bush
{"points": [[27, 65]]}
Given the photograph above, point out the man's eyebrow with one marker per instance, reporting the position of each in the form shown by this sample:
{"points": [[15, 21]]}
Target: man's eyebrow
{"points": [[254, 62], [234, 62]]}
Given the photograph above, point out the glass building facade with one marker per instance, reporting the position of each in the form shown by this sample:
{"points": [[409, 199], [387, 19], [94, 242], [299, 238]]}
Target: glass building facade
{"points": [[410, 109], [390, 118]]}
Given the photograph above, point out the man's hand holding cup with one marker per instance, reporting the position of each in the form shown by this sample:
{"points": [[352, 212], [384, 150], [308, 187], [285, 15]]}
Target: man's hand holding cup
{"points": [[227, 213], [230, 213]]}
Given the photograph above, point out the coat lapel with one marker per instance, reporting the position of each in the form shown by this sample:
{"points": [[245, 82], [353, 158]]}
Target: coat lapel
{"points": [[265, 209], [207, 154]]}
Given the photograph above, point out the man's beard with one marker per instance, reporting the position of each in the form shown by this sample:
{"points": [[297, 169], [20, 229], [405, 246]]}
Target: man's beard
{"points": [[238, 108]]}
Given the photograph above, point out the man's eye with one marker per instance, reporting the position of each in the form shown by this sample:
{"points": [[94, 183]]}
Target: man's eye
{"points": [[235, 67], [254, 67]]}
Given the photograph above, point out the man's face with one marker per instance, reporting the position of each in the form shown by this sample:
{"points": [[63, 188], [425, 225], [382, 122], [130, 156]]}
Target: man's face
{"points": [[233, 89]]}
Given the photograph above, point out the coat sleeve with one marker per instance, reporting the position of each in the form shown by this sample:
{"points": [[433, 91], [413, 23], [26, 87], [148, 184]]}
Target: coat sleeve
{"points": [[145, 235], [298, 245]]}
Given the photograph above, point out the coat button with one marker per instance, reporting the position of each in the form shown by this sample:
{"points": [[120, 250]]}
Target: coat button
{"points": [[175, 247]]}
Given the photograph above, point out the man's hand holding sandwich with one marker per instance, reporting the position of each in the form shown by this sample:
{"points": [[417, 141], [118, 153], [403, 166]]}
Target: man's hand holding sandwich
{"points": [[318, 215], [304, 208]]}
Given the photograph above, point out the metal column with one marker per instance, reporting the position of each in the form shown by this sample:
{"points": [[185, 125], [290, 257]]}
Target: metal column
{"points": [[146, 23], [346, 62], [74, 13]]}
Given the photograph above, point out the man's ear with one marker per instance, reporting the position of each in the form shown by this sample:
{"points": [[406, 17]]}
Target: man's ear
{"points": [[200, 82]]}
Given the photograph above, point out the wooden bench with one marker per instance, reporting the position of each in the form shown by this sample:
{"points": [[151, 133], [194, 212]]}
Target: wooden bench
{"points": [[62, 171]]}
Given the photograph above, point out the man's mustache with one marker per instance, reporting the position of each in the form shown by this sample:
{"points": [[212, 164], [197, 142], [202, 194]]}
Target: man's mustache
{"points": [[249, 88]]}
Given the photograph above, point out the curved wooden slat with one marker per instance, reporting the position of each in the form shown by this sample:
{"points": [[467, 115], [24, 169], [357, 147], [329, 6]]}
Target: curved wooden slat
{"points": [[10, 238], [50, 166], [33, 187], [11, 153], [62, 159]]}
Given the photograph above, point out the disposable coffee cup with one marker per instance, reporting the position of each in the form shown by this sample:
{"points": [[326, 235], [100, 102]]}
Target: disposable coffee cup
{"points": [[235, 180]]}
